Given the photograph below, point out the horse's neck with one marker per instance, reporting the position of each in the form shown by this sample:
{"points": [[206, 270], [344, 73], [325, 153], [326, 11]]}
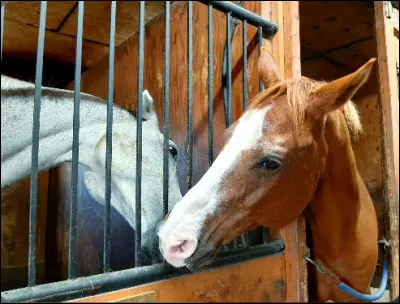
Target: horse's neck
{"points": [[56, 129], [341, 205]]}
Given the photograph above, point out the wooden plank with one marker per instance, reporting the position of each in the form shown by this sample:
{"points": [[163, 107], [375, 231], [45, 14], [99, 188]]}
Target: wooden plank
{"points": [[15, 230], [96, 25], [321, 69], [260, 280], [388, 95], [356, 55], [295, 233], [28, 12], [326, 25], [306, 53], [368, 154], [21, 41], [285, 48]]}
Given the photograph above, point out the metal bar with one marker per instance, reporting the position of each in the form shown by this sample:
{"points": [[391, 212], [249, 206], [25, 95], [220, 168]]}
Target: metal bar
{"points": [[210, 87], [166, 108], [229, 65], [269, 28], [97, 284], [35, 148], [138, 212], [229, 80], [190, 93], [260, 89], [75, 146], [260, 40], [2, 30], [110, 101], [245, 96]]}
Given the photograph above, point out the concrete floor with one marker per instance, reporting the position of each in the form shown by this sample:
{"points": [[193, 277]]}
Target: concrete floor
{"points": [[385, 298]]}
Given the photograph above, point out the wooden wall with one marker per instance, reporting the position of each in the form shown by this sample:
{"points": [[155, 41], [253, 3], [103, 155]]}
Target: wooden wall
{"points": [[15, 232], [336, 42], [21, 33]]}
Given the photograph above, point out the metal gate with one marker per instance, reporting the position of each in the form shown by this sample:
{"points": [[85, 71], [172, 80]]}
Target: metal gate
{"points": [[239, 251]]}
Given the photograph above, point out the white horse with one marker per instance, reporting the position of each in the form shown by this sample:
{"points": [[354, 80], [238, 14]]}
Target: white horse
{"points": [[55, 148]]}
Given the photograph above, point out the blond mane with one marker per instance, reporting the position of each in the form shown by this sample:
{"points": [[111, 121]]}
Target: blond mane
{"points": [[298, 91]]}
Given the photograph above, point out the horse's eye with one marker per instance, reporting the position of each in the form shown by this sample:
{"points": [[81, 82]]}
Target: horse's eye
{"points": [[173, 151], [269, 164]]}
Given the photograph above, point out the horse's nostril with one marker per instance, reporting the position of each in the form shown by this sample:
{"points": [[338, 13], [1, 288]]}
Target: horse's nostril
{"points": [[179, 248], [183, 249]]}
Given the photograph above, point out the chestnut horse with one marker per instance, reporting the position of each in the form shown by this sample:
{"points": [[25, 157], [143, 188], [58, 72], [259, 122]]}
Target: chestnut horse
{"points": [[289, 152]]}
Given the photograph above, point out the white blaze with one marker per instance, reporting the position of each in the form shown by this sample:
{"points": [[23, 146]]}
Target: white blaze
{"points": [[188, 216]]}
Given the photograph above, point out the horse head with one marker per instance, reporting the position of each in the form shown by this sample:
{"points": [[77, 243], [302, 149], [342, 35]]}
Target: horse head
{"points": [[123, 175], [268, 169]]}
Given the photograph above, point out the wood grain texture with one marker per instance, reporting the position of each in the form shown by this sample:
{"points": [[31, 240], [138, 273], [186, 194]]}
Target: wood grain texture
{"points": [[96, 24], [21, 41], [326, 25], [261, 280], [21, 31], [294, 233], [28, 12], [15, 226], [388, 94], [285, 48]]}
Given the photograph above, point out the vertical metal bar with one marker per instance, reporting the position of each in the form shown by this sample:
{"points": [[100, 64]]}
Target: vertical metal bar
{"points": [[245, 94], [260, 89], [138, 209], [190, 93], [210, 87], [229, 77], [260, 39], [245, 65], [35, 148], [229, 65], [75, 146], [2, 30], [110, 101], [166, 109]]}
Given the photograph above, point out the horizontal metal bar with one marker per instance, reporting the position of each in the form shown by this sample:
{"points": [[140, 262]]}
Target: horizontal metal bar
{"points": [[97, 284], [269, 29]]}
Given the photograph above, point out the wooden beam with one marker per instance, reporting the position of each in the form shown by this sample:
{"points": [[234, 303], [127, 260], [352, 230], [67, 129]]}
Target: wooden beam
{"points": [[285, 48], [28, 12], [388, 94], [265, 277]]}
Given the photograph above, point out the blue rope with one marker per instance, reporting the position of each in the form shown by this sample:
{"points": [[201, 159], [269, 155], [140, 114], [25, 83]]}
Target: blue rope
{"points": [[364, 297]]}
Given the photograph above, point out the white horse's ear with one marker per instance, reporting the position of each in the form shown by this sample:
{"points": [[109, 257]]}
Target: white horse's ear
{"points": [[148, 106]]}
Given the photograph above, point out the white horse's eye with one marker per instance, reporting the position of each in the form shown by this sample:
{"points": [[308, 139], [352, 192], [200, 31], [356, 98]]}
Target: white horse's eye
{"points": [[173, 151]]}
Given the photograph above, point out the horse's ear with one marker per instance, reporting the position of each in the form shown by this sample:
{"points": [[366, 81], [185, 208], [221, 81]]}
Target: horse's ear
{"points": [[148, 106], [267, 68], [335, 94]]}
